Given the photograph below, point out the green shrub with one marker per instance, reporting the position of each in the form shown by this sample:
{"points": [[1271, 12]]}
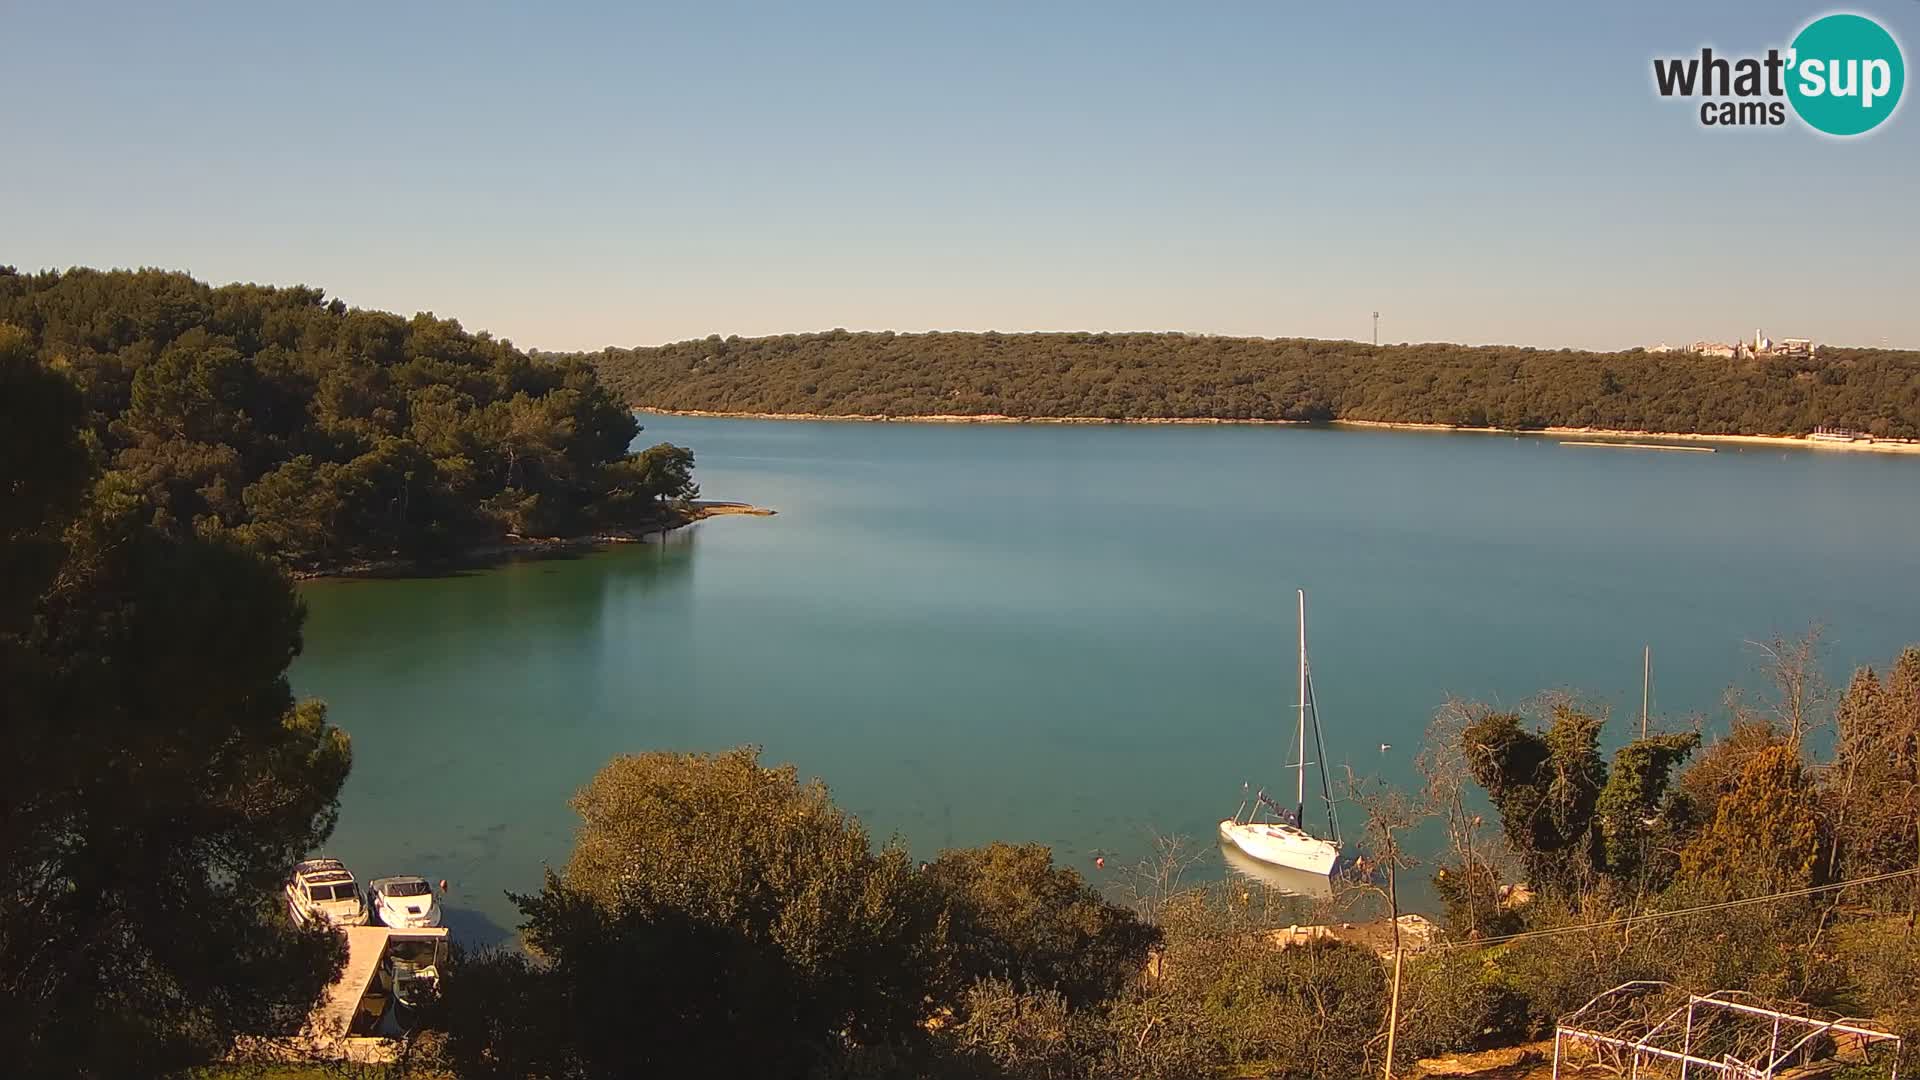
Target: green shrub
{"points": [[1458, 1001], [1024, 1035], [1012, 915], [1226, 995]]}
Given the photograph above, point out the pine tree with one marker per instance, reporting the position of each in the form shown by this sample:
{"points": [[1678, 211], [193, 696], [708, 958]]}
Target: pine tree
{"points": [[157, 777]]}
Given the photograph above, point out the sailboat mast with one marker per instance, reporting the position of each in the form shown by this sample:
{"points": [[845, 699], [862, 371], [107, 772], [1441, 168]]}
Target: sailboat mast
{"points": [[1320, 752], [1646, 683], [1300, 785]]}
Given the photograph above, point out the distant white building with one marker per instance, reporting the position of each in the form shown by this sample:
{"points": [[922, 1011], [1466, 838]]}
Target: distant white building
{"points": [[1761, 345], [1712, 348], [1766, 346]]}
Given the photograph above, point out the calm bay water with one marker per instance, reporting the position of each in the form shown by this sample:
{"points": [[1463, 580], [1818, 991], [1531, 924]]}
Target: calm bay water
{"points": [[1078, 634]]}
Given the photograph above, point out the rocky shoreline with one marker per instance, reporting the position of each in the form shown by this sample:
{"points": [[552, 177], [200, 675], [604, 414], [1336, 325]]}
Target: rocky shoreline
{"points": [[518, 547]]}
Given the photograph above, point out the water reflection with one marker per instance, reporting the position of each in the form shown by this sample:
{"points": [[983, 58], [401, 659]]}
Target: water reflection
{"points": [[478, 704]]}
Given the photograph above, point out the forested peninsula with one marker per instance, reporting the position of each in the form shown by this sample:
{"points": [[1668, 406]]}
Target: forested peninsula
{"points": [[327, 436], [1163, 376]]}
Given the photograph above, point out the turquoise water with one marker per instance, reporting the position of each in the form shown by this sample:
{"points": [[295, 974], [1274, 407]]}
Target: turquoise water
{"points": [[1076, 635]]}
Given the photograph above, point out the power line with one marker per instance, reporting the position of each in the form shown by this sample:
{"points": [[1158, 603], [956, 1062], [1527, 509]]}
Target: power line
{"points": [[1677, 912]]}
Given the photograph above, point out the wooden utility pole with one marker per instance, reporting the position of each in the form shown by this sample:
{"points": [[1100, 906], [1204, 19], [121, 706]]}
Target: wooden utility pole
{"points": [[1393, 909], [1389, 812]]}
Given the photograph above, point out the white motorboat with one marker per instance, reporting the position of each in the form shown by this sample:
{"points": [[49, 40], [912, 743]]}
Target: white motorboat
{"points": [[323, 891], [1283, 839], [402, 902]]}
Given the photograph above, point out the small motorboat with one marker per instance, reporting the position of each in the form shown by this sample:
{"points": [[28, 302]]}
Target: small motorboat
{"points": [[322, 891], [403, 902]]}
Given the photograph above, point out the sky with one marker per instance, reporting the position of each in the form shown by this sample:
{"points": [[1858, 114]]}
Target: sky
{"points": [[572, 176]]}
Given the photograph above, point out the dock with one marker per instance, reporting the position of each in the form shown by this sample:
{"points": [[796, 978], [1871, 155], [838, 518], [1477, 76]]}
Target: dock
{"points": [[1639, 445], [347, 1022], [333, 1016]]}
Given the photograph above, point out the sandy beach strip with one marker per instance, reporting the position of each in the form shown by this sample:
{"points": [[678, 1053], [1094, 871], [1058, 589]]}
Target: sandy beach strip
{"points": [[1800, 442]]}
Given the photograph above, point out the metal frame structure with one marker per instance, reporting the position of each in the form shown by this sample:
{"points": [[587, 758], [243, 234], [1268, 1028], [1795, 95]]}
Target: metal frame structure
{"points": [[1647, 1028]]}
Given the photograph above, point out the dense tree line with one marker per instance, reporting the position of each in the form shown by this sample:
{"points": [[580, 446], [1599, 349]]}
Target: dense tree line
{"points": [[157, 777], [320, 433], [1143, 375]]}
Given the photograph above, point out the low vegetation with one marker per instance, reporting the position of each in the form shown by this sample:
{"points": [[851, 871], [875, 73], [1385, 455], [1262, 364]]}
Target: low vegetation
{"points": [[1122, 376]]}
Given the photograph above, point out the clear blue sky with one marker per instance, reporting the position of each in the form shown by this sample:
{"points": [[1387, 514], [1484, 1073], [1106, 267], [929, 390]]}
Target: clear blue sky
{"points": [[608, 174]]}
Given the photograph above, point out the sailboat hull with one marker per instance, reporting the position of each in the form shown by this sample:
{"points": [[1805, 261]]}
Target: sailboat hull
{"points": [[1281, 879], [1282, 845]]}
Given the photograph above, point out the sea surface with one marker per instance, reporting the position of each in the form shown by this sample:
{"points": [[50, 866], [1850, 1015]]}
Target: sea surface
{"points": [[1082, 635]]}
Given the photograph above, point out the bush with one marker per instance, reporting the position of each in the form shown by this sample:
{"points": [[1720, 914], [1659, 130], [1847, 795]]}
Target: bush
{"points": [[722, 917], [1558, 974], [1030, 1035], [1013, 916], [1883, 962], [501, 1015], [1471, 895], [716, 916], [1226, 995], [1458, 1001]]}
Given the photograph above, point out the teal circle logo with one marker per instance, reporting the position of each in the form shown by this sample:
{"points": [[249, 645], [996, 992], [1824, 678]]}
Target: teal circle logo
{"points": [[1846, 74]]}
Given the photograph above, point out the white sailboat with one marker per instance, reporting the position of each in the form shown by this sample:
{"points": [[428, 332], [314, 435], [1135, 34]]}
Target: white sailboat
{"points": [[1284, 840], [1281, 879]]}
